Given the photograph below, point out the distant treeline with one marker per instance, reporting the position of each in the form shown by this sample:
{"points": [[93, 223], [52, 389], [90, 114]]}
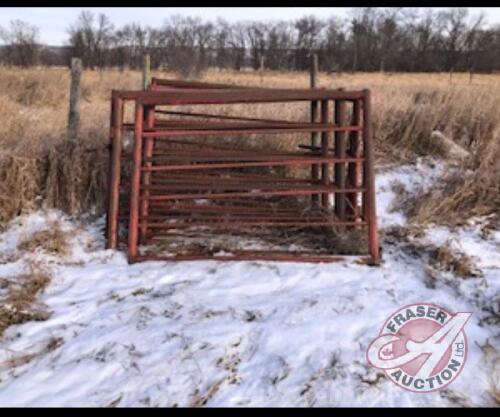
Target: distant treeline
{"points": [[369, 39]]}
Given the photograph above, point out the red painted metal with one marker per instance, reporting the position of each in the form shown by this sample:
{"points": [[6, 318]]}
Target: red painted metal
{"points": [[369, 180], [177, 186], [340, 152], [354, 169], [133, 232], [114, 171]]}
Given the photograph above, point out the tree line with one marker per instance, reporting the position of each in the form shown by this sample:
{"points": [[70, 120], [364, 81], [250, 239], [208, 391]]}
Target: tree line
{"points": [[367, 39]]}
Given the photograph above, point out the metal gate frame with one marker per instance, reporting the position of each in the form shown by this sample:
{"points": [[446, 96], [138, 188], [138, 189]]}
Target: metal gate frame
{"points": [[352, 158]]}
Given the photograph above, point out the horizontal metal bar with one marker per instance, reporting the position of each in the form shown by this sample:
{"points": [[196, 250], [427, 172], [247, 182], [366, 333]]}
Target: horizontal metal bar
{"points": [[192, 156], [229, 210], [224, 125], [194, 218], [257, 256], [214, 207], [174, 132], [243, 222], [235, 96], [222, 117], [166, 178], [158, 82], [305, 191], [193, 186], [271, 162], [160, 213]]}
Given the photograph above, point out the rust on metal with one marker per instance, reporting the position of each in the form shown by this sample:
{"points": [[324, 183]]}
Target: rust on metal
{"points": [[167, 182]]}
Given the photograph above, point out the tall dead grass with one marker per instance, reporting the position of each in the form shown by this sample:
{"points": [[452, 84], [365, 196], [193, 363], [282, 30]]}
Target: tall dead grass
{"points": [[36, 163]]}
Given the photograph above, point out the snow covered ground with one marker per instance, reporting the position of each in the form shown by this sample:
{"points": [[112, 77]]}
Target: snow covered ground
{"points": [[242, 333]]}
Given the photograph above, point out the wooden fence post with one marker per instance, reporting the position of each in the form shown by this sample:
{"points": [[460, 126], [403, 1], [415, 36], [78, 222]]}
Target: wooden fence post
{"points": [[313, 70], [74, 99], [261, 69], [146, 72]]}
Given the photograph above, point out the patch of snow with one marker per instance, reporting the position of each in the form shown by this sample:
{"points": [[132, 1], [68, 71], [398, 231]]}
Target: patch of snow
{"points": [[231, 334], [419, 176]]}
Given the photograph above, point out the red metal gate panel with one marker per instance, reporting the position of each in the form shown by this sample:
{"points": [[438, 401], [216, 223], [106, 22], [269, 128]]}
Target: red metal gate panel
{"points": [[172, 168]]}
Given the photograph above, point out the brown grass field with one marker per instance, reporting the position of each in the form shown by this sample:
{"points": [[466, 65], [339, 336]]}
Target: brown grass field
{"points": [[37, 164]]}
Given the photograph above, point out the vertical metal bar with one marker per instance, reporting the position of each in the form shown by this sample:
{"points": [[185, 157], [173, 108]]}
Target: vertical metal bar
{"points": [[340, 152], [114, 172], [315, 142], [314, 119], [325, 178], [135, 183], [110, 167], [149, 118], [354, 168], [369, 180]]}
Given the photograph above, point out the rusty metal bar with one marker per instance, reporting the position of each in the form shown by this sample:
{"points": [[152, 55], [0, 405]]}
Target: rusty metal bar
{"points": [[135, 191], [164, 82], [369, 180], [340, 152], [253, 256], [149, 117], [270, 162], [298, 191], [231, 186], [114, 172], [222, 117], [179, 132], [314, 143], [185, 185], [325, 178], [251, 156], [165, 124], [354, 151], [240, 223], [314, 118], [254, 95]]}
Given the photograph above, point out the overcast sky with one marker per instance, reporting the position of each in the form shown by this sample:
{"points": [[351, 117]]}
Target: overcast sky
{"points": [[54, 21]]}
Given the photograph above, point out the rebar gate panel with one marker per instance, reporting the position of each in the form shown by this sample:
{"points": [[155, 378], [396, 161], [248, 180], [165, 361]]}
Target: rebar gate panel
{"points": [[175, 181]]}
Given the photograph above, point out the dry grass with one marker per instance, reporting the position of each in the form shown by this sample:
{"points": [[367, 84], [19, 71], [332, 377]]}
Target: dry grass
{"points": [[447, 259], [492, 362], [37, 164], [472, 191], [19, 304], [52, 240]]}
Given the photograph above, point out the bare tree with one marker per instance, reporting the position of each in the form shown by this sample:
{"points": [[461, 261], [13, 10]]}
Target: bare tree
{"points": [[238, 45], [280, 42], [369, 39], [90, 38], [471, 41], [256, 33], [333, 45], [308, 34], [21, 46], [181, 45], [454, 24]]}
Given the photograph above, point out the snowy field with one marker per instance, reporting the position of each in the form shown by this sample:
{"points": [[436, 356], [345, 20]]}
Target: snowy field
{"points": [[241, 333]]}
